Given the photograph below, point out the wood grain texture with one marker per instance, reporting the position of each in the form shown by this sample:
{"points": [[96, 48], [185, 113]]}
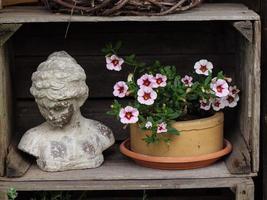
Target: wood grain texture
{"points": [[249, 82], [263, 137], [6, 31], [143, 39], [3, 195], [253, 4], [5, 107], [245, 190], [124, 184], [255, 139], [239, 161], [17, 163], [118, 167], [205, 12], [95, 70], [245, 28]]}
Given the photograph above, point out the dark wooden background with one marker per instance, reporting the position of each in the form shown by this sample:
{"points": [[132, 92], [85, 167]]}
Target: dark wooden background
{"points": [[180, 44]]}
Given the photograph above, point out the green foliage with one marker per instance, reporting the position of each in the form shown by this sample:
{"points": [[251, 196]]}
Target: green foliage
{"points": [[12, 194], [110, 49], [145, 197], [174, 102]]}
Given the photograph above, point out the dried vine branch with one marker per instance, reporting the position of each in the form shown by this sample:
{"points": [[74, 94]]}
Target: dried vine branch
{"points": [[121, 7]]}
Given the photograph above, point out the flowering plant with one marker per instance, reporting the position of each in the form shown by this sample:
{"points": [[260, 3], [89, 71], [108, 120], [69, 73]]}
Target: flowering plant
{"points": [[161, 96]]}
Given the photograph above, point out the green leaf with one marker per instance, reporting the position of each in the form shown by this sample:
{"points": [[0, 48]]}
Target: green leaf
{"points": [[173, 131], [118, 46], [174, 115], [12, 194], [208, 80], [220, 75]]}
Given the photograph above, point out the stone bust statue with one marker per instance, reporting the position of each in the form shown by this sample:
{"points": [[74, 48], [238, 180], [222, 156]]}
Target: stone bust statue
{"points": [[66, 140]]}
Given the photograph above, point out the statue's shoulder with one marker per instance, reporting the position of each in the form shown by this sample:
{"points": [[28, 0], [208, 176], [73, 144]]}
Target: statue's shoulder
{"points": [[102, 131], [29, 142]]}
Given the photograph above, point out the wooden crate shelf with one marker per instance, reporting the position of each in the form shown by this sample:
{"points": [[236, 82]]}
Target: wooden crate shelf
{"points": [[118, 167], [206, 12], [118, 172], [121, 173]]}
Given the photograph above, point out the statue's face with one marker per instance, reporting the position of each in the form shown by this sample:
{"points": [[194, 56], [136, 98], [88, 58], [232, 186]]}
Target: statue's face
{"points": [[57, 114]]}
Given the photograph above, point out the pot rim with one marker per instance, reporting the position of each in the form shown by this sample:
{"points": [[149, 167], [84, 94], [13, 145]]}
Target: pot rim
{"points": [[203, 123], [124, 148]]}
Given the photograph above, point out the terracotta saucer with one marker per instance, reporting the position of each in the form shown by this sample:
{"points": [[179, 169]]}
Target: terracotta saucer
{"points": [[175, 162]]}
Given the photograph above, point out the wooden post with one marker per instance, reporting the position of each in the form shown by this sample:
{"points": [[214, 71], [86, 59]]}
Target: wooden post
{"points": [[245, 190], [5, 107], [6, 31], [3, 195], [249, 82]]}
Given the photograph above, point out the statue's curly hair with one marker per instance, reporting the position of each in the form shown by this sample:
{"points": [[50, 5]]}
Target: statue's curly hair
{"points": [[60, 77]]}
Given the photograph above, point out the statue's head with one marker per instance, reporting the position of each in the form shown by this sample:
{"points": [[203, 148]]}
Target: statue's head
{"points": [[59, 88]]}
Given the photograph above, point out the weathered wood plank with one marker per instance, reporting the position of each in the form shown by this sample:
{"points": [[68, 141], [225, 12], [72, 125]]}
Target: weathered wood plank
{"points": [[253, 4], [245, 28], [95, 70], [5, 107], [123, 184], [6, 31], [16, 2], [17, 163], [249, 82], [206, 12], [263, 135], [245, 190], [118, 167], [239, 161], [138, 38], [255, 139], [3, 195]]}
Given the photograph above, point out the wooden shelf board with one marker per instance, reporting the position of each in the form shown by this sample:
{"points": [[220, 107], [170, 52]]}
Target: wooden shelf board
{"points": [[118, 168], [123, 184], [205, 12]]}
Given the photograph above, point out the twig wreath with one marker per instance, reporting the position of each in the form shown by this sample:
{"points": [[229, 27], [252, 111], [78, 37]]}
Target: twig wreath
{"points": [[121, 7]]}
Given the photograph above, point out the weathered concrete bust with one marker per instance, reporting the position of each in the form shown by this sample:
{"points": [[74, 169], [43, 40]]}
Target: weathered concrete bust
{"points": [[66, 140]]}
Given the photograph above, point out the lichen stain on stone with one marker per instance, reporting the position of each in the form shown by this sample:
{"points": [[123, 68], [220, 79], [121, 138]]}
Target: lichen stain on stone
{"points": [[88, 148], [58, 149], [105, 131]]}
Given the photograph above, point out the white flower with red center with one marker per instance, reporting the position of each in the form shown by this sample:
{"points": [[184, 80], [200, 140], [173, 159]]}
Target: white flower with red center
{"points": [[146, 81], [148, 125], [162, 128], [114, 62], [231, 100], [187, 80], [203, 67], [120, 89], [146, 96], [160, 81], [205, 104], [129, 115], [220, 87], [233, 90], [218, 104]]}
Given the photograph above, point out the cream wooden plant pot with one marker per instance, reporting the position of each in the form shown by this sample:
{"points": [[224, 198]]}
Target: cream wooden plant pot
{"points": [[197, 137]]}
